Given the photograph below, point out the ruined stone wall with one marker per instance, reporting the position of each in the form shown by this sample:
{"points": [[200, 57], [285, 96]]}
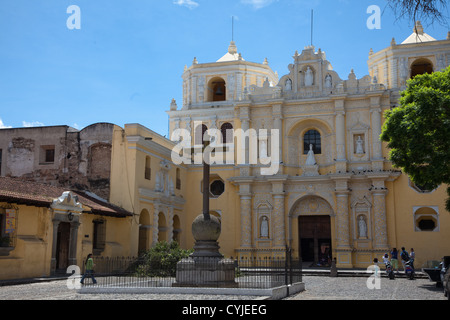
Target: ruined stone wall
{"points": [[60, 155]]}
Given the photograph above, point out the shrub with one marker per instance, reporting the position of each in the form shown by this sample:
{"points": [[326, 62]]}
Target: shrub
{"points": [[162, 259]]}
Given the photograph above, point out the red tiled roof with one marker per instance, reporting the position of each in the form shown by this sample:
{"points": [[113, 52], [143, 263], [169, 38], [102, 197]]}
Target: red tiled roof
{"points": [[18, 191]]}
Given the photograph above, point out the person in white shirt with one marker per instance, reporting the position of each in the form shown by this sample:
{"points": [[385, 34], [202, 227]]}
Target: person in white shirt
{"points": [[412, 256]]}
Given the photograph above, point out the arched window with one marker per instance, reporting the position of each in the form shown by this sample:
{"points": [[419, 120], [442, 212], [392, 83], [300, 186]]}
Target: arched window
{"points": [[421, 66], [227, 132], [178, 179], [312, 137], [148, 170], [176, 229], [199, 134]]}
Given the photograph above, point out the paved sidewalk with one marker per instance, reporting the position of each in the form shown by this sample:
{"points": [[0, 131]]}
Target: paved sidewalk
{"points": [[355, 272], [317, 287], [58, 290], [349, 284], [355, 288]]}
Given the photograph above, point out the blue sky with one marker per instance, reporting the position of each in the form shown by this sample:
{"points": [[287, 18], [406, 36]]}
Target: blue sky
{"points": [[124, 64]]}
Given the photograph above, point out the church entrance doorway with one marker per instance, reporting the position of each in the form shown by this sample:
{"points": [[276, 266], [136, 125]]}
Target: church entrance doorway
{"points": [[315, 239]]}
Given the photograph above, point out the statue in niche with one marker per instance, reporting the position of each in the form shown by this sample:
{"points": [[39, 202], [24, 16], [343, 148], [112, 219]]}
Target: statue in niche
{"points": [[264, 228], [328, 81], [310, 160], [359, 145], [309, 77], [362, 227], [288, 85]]}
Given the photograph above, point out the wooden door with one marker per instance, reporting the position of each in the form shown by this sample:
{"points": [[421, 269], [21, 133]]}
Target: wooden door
{"points": [[314, 237], [62, 246]]}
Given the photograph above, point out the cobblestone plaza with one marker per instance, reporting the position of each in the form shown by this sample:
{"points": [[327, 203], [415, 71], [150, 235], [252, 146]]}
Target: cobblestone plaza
{"points": [[316, 288]]}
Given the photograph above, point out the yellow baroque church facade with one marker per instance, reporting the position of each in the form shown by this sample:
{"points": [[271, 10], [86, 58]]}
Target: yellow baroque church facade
{"points": [[349, 203]]}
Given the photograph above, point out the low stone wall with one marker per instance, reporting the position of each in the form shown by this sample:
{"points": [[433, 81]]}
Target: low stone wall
{"points": [[269, 294]]}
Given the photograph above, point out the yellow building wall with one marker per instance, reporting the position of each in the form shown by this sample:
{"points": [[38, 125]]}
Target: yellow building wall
{"points": [[31, 252], [131, 189], [428, 245]]}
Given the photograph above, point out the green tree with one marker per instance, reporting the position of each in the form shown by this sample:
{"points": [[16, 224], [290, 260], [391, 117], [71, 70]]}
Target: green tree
{"points": [[418, 130]]}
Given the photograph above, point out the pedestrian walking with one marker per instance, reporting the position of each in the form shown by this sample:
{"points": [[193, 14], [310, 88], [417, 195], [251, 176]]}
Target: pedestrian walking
{"points": [[89, 269], [394, 259]]}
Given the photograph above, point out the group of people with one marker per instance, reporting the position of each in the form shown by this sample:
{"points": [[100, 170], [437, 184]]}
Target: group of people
{"points": [[395, 255]]}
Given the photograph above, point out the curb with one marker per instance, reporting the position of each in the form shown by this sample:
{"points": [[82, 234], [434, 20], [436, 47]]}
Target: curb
{"points": [[305, 272]]}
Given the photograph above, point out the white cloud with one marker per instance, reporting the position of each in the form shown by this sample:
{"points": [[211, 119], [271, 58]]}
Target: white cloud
{"points": [[32, 124], [3, 126], [187, 3], [258, 4]]}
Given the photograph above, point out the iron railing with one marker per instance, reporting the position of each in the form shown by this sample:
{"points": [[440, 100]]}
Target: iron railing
{"points": [[131, 272]]}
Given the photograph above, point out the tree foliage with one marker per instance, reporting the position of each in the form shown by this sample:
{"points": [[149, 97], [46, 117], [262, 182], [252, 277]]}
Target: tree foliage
{"points": [[432, 10], [418, 130]]}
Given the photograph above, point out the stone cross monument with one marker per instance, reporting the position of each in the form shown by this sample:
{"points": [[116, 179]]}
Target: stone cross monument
{"points": [[206, 267]]}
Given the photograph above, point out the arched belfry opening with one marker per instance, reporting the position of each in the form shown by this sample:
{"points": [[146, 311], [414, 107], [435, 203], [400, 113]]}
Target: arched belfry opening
{"points": [[216, 89], [421, 66]]}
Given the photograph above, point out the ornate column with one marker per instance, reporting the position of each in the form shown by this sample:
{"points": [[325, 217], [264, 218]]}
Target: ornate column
{"points": [[194, 89], [386, 73], [155, 224], [246, 215], [377, 156], [379, 211], [341, 160], [239, 85], [342, 220], [170, 225], [73, 242], [393, 72], [342, 223], [243, 156], [279, 224], [340, 135], [278, 125]]}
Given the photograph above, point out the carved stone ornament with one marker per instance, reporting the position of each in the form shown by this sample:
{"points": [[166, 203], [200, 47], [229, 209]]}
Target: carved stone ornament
{"points": [[67, 202]]}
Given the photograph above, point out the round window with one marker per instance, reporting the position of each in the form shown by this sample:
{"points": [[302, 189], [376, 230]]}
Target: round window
{"points": [[217, 187]]}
